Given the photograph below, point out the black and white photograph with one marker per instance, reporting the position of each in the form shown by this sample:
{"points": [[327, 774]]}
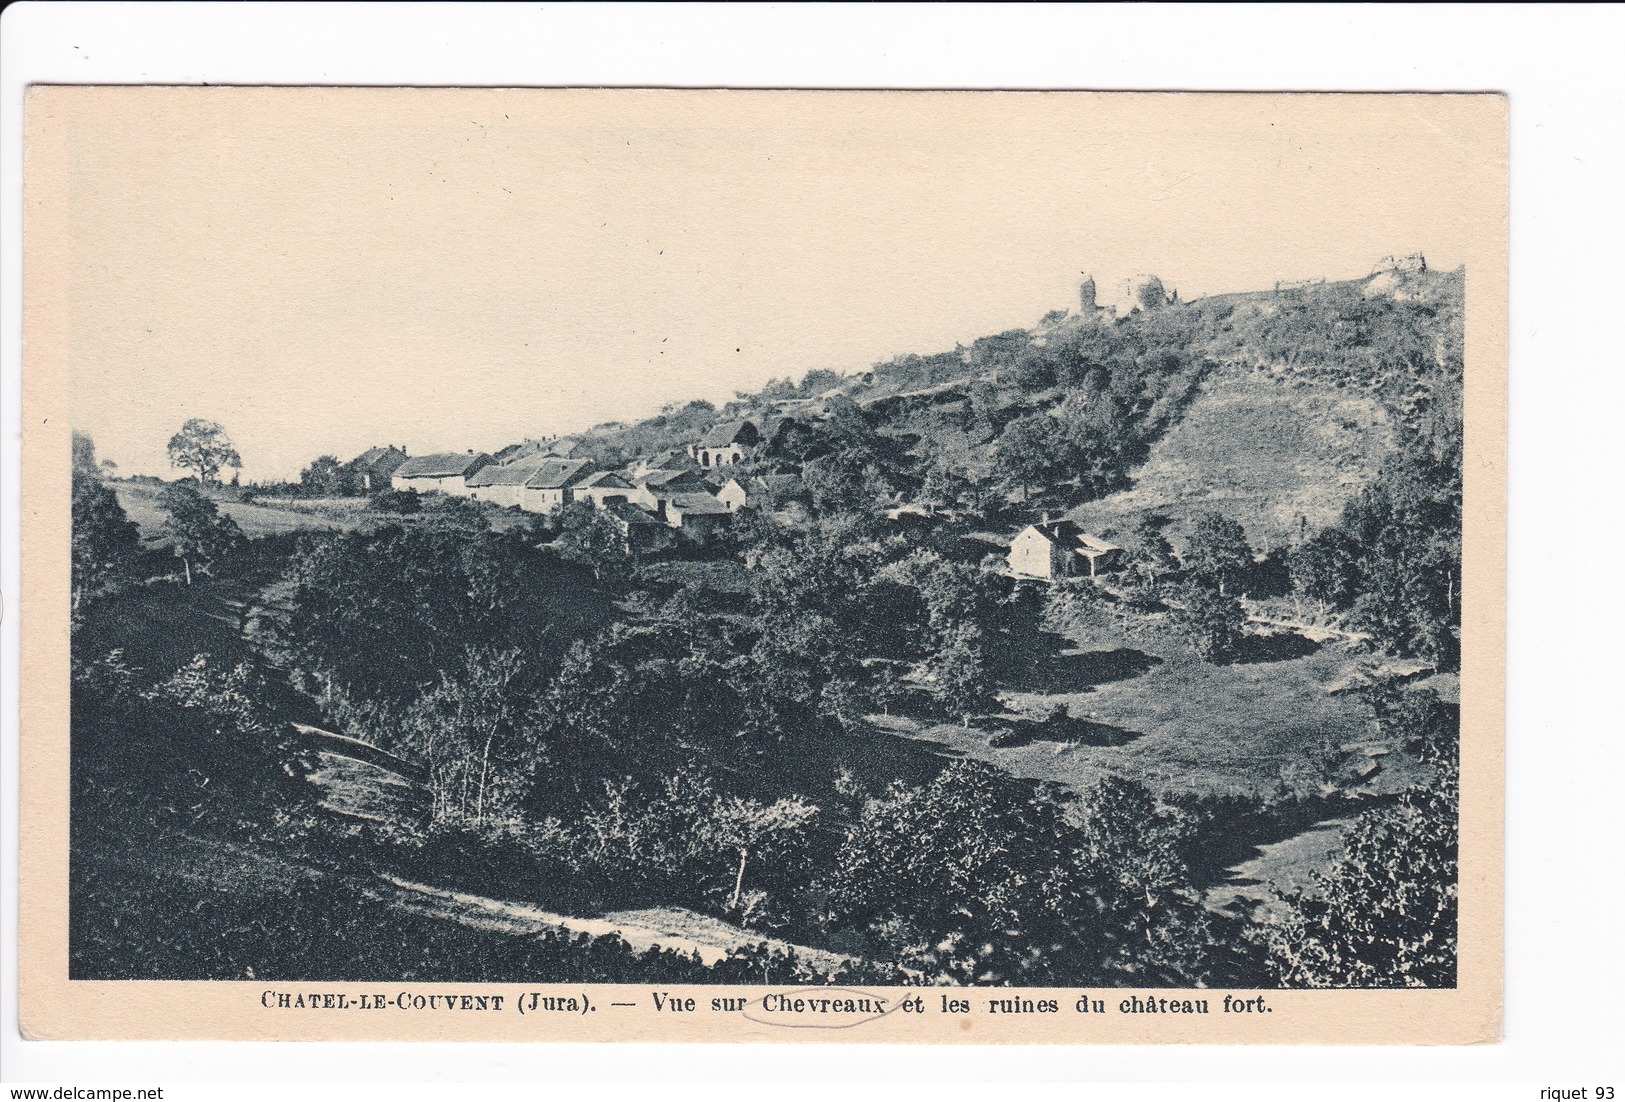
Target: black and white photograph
{"points": [[840, 542]]}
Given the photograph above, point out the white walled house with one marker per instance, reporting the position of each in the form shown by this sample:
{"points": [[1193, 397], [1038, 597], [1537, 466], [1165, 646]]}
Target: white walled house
{"points": [[504, 483], [550, 488], [648, 490], [447, 473], [603, 488], [1060, 549]]}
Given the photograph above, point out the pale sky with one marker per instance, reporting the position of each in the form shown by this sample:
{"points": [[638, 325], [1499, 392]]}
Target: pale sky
{"points": [[324, 270]]}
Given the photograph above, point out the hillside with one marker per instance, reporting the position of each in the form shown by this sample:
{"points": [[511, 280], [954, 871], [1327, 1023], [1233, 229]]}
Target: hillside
{"points": [[1272, 406], [1262, 452]]}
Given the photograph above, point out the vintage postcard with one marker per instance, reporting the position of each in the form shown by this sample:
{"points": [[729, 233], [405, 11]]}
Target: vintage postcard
{"points": [[628, 565]]}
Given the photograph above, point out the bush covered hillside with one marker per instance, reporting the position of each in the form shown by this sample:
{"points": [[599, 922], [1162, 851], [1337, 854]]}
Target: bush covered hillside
{"points": [[1117, 651]]}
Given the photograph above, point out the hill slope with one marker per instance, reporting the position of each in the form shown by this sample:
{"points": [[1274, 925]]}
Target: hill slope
{"points": [[1260, 451]]}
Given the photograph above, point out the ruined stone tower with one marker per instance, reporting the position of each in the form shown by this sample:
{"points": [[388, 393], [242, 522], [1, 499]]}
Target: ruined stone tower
{"points": [[1086, 296]]}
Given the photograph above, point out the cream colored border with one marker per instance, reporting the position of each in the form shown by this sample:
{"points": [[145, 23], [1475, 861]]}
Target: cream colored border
{"points": [[54, 1008]]}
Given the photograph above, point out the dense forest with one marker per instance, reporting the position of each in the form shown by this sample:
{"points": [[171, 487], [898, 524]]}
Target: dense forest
{"points": [[842, 730]]}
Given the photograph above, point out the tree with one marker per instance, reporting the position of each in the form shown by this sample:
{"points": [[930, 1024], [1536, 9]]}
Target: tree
{"points": [[105, 540], [326, 477], [379, 615], [978, 877], [1213, 623], [1150, 294], [591, 537], [959, 669], [1094, 439], [845, 480], [472, 713], [818, 380], [202, 447], [756, 828], [1218, 554], [197, 529], [1034, 370], [957, 469], [1026, 451], [1150, 554], [84, 452], [1326, 568]]}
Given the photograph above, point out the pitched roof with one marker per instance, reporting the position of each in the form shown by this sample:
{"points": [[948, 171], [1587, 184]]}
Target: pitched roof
{"points": [[523, 450], [657, 479], [516, 472], [671, 460], [443, 465], [564, 447], [700, 503], [553, 473], [605, 478], [730, 432], [1066, 533], [373, 455]]}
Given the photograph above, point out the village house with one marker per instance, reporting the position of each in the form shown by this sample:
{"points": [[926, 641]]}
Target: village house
{"points": [[447, 472], [733, 495], [697, 515], [726, 444], [650, 488], [1060, 549], [640, 530], [504, 483], [375, 467], [603, 488], [551, 487]]}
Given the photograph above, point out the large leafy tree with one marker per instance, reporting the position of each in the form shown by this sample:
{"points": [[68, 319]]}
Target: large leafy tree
{"points": [[203, 448], [1027, 451], [200, 534], [1212, 622], [981, 877], [1151, 556], [327, 477], [84, 452], [105, 540], [1218, 554], [591, 537], [378, 616]]}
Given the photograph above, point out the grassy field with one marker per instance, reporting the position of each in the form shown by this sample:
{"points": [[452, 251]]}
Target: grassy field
{"points": [[273, 517], [1259, 451], [1175, 724], [140, 501]]}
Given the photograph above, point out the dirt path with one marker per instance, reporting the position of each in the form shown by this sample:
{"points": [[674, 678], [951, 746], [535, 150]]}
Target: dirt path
{"points": [[676, 929]]}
